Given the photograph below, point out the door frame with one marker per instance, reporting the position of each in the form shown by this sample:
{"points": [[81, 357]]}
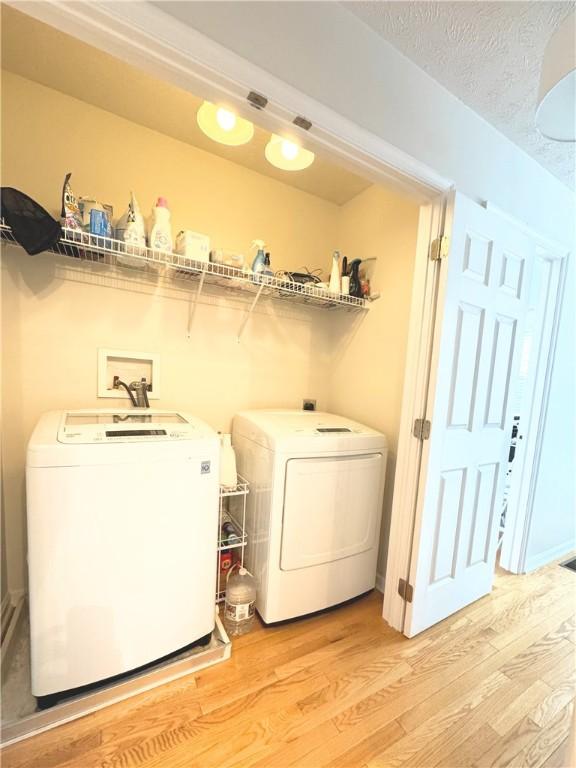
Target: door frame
{"points": [[412, 456]]}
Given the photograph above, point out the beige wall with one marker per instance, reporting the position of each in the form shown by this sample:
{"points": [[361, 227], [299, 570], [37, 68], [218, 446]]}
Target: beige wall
{"points": [[367, 374], [56, 316]]}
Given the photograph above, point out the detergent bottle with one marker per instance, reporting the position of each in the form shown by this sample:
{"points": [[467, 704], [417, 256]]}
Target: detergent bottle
{"points": [[161, 230]]}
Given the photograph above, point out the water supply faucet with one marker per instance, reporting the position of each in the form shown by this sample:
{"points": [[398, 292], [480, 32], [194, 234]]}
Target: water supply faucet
{"points": [[138, 388], [141, 389]]}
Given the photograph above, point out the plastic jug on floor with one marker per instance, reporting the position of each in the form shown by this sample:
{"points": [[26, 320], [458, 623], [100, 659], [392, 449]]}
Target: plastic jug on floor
{"points": [[240, 603]]}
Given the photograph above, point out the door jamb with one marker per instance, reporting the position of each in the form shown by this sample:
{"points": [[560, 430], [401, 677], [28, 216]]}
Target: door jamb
{"points": [[411, 451], [517, 530]]}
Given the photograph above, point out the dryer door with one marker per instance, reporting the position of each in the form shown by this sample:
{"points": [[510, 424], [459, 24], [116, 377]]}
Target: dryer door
{"points": [[332, 509]]}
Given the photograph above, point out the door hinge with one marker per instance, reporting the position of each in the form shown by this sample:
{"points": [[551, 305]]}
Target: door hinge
{"points": [[421, 429], [405, 590], [439, 248]]}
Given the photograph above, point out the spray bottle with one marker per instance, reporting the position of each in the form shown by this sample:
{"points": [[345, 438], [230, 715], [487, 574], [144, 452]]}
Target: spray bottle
{"points": [[355, 285], [267, 266], [259, 261]]}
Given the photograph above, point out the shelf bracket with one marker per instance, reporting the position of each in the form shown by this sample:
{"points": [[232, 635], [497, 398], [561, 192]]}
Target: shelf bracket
{"points": [[249, 312], [193, 303]]}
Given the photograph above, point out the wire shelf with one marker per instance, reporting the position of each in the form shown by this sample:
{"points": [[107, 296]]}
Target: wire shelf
{"points": [[97, 249], [233, 511], [240, 489], [239, 541]]}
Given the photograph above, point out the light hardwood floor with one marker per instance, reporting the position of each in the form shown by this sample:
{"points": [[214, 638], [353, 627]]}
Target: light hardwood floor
{"points": [[492, 686]]}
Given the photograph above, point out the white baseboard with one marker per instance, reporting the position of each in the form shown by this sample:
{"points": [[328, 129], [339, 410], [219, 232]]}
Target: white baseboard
{"points": [[380, 582], [548, 556]]}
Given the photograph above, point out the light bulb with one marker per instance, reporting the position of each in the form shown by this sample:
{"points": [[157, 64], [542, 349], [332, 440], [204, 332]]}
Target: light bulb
{"points": [[223, 126], [287, 155], [225, 119], [289, 150]]}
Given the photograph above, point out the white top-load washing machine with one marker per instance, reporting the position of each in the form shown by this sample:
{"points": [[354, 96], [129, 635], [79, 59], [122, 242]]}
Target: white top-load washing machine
{"points": [[122, 530], [314, 509]]}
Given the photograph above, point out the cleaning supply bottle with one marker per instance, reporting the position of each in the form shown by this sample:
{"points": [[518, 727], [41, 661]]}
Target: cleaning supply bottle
{"points": [[229, 534], [240, 602], [260, 258], [161, 232], [334, 285], [131, 231], [228, 477], [345, 283], [267, 268], [355, 285], [139, 229]]}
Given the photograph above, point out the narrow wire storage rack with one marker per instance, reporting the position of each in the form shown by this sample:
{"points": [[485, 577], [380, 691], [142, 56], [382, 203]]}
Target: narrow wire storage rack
{"points": [[108, 252], [232, 511]]}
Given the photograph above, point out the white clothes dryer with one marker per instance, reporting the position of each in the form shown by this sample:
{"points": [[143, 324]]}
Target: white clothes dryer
{"points": [[314, 508]]}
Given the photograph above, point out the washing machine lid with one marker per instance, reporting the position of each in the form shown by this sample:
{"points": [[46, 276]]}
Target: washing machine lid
{"points": [[92, 435], [126, 425], [306, 431]]}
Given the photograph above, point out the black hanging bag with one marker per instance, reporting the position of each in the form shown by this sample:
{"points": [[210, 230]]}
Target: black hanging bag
{"points": [[32, 227]]}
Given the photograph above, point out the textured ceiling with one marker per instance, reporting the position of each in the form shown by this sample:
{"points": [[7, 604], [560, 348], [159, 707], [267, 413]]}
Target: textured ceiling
{"points": [[488, 54]]}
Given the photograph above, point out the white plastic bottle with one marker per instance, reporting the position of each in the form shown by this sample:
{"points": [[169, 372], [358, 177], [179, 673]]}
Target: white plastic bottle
{"points": [[334, 285], [160, 238], [130, 230], [240, 603], [227, 462]]}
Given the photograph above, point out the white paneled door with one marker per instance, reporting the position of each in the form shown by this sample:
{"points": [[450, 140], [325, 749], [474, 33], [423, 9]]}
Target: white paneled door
{"points": [[482, 301]]}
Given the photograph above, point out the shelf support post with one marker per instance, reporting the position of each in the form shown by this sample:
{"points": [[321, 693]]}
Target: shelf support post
{"points": [[193, 304], [249, 312]]}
